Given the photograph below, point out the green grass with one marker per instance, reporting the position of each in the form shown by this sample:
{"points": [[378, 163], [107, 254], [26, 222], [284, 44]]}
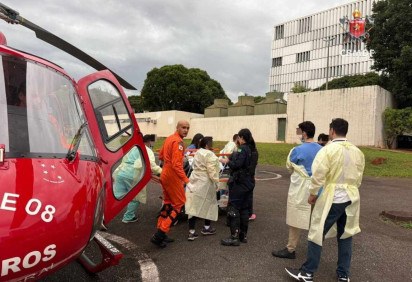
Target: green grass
{"points": [[397, 164], [407, 225]]}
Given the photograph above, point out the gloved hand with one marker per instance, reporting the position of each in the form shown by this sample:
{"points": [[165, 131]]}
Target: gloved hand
{"points": [[190, 187]]}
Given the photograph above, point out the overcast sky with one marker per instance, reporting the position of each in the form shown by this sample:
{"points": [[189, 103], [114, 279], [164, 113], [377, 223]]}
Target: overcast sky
{"points": [[231, 40]]}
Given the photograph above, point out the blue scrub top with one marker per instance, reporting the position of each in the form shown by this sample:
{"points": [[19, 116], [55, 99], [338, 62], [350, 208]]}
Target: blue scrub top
{"points": [[305, 154], [191, 146]]}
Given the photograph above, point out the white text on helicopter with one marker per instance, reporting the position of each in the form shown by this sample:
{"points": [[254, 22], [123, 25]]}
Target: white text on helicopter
{"points": [[16, 264], [33, 207]]}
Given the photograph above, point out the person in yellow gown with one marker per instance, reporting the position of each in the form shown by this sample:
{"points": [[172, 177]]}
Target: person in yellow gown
{"points": [[338, 168]]}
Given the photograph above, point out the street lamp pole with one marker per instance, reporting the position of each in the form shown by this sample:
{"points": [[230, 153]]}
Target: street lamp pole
{"points": [[329, 40]]}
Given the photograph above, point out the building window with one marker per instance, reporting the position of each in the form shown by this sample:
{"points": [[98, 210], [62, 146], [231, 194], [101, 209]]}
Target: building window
{"points": [[352, 46], [276, 62], [303, 57], [279, 32], [305, 25], [304, 83]]}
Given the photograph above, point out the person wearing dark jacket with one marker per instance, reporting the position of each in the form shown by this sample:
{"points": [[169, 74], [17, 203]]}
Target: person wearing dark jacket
{"points": [[240, 189], [252, 169]]}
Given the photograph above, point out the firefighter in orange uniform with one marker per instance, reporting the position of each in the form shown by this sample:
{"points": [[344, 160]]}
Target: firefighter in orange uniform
{"points": [[173, 179]]}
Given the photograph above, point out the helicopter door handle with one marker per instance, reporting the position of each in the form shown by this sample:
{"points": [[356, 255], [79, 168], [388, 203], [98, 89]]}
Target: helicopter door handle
{"points": [[4, 165], [104, 161], [2, 150]]}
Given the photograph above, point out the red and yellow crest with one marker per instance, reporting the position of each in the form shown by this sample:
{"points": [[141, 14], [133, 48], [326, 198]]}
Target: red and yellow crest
{"points": [[356, 28]]}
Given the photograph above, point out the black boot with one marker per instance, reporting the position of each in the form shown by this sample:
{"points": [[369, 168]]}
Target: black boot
{"points": [[159, 239], [243, 237], [230, 241], [167, 239], [244, 225]]}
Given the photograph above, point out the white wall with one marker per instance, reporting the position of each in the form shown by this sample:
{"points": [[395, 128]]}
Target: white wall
{"points": [[263, 127], [162, 123], [362, 107]]}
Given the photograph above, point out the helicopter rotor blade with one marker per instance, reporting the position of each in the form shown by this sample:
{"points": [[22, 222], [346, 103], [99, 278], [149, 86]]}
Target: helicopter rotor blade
{"points": [[12, 16]]}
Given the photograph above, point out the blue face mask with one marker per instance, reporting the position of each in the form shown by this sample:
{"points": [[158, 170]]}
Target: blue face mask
{"points": [[302, 140]]}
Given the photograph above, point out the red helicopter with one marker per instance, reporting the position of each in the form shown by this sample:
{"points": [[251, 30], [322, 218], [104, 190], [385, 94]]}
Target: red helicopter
{"points": [[71, 158]]}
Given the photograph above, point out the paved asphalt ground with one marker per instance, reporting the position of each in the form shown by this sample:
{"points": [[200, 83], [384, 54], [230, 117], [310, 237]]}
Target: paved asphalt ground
{"points": [[381, 252]]}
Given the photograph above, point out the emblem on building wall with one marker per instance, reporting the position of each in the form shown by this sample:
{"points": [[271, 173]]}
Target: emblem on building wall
{"points": [[356, 28], [356, 31]]}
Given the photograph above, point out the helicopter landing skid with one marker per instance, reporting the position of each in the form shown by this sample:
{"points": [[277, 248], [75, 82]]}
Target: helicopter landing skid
{"points": [[110, 256]]}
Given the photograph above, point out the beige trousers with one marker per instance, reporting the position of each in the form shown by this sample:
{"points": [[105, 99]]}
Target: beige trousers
{"points": [[294, 235]]}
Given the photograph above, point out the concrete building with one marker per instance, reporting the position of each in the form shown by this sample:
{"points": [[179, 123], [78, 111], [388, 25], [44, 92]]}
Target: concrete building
{"points": [[244, 106], [218, 109], [265, 128], [162, 124], [272, 104], [300, 48], [362, 107]]}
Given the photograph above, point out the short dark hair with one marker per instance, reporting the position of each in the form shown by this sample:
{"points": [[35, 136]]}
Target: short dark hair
{"points": [[207, 140], [148, 138], [235, 137], [340, 126], [308, 127], [323, 137]]}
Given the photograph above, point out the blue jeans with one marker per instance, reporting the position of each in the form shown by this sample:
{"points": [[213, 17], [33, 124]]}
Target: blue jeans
{"points": [[336, 214]]}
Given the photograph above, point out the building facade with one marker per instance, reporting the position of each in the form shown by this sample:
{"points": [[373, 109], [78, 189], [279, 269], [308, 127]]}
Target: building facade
{"points": [[308, 50], [362, 107]]}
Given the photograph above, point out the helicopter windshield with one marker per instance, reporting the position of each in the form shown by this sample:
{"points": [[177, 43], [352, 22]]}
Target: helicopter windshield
{"points": [[39, 111]]}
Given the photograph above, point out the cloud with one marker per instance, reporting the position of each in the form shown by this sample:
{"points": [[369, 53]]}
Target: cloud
{"points": [[231, 40]]}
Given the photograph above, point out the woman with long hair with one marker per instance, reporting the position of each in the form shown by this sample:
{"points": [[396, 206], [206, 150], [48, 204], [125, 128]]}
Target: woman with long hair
{"points": [[240, 189]]}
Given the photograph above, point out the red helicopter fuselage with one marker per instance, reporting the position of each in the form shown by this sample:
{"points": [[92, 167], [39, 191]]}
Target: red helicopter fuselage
{"points": [[66, 151]]}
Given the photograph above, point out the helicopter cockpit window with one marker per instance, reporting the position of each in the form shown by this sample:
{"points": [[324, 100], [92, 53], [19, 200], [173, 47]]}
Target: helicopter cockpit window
{"points": [[40, 112], [128, 172], [112, 115]]}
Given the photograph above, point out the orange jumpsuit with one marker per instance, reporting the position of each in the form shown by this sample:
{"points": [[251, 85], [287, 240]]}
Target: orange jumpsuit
{"points": [[172, 178]]}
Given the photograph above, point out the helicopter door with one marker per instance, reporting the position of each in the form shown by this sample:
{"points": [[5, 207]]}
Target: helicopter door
{"points": [[117, 138]]}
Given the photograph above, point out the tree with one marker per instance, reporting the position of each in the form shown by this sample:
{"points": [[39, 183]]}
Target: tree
{"points": [[175, 87], [258, 99], [391, 41], [136, 103], [371, 78], [297, 88], [396, 122]]}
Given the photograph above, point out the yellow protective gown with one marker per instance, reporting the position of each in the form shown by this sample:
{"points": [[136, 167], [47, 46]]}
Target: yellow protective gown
{"points": [[157, 170], [298, 209], [339, 163], [201, 200]]}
